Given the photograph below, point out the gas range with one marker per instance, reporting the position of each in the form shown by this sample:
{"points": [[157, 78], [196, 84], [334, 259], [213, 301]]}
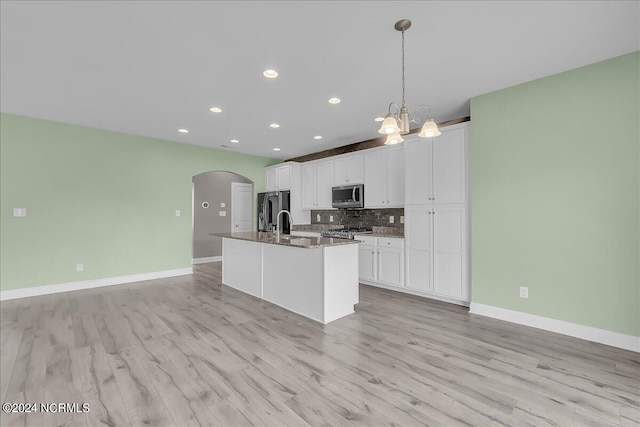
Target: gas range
{"points": [[345, 233]]}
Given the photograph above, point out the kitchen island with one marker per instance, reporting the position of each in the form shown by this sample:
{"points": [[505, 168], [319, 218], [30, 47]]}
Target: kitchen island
{"points": [[316, 277]]}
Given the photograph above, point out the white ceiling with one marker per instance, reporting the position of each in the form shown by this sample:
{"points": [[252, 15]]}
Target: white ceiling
{"points": [[149, 68]]}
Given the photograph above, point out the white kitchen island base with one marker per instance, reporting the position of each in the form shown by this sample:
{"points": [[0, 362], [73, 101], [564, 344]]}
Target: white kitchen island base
{"points": [[319, 282]]}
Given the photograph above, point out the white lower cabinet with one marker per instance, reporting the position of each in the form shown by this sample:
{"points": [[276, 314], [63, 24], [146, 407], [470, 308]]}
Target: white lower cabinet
{"points": [[419, 270], [390, 266], [437, 262], [367, 262], [381, 260]]}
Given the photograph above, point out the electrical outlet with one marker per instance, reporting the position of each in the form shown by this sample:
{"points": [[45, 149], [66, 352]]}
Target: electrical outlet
{"points": [[401, 219], [330, 218], [391, 219], [19, 211], [178, 213], [524, 292], [79, 267]]}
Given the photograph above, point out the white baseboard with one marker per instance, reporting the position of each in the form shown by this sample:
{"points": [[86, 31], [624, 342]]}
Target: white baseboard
{"points": [[602, 336], [416, 293], [88, 284], [206, 259]]}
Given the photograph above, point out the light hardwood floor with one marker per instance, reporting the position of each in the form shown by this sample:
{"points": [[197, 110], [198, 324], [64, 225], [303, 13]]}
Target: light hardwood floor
{"points": [[189, 351]]}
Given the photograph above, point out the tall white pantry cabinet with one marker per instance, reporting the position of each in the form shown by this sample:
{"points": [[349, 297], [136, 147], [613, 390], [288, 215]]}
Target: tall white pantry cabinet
{"points": [[437, 215]]}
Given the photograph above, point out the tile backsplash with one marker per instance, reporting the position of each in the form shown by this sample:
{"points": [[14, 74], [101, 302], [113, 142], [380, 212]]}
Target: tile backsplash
{"points": [[367, 218]]}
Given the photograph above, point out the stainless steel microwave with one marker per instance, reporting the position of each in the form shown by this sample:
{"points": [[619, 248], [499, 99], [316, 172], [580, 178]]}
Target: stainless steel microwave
{"points": [[348, 197]]}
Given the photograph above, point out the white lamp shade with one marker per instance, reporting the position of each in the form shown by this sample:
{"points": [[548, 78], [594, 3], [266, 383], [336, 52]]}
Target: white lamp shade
{"points": [[394, 138], [389, 126], [429, 129]]}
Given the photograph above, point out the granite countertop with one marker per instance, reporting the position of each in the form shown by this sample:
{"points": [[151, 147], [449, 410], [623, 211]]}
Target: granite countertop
{"points": [[393, 236], [315, 228], [377, 231], [286, 239]]}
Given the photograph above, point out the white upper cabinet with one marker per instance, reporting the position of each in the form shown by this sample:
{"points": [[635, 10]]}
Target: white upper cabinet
{"points": [[271, 179], [384, 178], [284, 177], [325, 183], [309, 185], [436, 168], [375, 183], [278, 177], [348, 170], [317, 180], [418, 163], [395, 177], [449, 157]]}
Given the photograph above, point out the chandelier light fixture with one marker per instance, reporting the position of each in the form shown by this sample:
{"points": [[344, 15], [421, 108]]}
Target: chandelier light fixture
{"points": [[396, 124]]}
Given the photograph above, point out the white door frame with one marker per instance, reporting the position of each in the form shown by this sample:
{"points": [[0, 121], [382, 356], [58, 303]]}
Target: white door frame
{"points": [[235, 186]]}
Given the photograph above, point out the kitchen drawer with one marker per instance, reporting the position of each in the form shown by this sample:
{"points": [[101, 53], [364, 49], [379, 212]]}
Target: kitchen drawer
{"points": [[390, 242], [367, 240]]}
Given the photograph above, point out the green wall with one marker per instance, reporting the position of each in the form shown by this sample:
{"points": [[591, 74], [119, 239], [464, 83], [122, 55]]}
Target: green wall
{"points": [[555, 176], [103, 199]]}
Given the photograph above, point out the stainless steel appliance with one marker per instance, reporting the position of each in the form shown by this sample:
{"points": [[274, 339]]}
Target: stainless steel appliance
{"points": [[269, 204], [348, 197], [345, 233]]}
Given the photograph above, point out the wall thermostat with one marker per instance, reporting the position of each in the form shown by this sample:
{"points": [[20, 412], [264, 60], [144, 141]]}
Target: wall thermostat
{"points": [[205, 205]]}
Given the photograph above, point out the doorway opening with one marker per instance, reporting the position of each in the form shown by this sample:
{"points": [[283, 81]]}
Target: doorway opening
{"points": [[221, 199]]}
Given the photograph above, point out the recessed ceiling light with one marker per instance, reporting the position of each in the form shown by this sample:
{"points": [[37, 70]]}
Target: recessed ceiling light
{"points": [[235, 141], [270, 74], [334, 100], [215, 109], [378, 119], [317, 137], [183, 130], [276, 149], [274, 125]]}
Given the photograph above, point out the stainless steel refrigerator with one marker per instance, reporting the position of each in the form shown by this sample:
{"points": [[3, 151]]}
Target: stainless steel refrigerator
{"points": [[269, 204]]}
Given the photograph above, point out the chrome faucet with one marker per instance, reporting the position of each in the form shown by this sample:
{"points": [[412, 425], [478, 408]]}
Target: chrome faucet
{"points": [[278, 221]]}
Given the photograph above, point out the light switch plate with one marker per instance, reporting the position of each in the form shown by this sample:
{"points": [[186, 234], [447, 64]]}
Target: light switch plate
{"points": [[222, 213], [19, 211], [178, 213], [524, 292], [392, 219], [223, 205], [79, 267]]}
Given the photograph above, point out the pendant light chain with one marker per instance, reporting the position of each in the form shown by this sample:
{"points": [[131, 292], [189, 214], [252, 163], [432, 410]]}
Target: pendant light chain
{"points": [[403, 102], [397, 123]]}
